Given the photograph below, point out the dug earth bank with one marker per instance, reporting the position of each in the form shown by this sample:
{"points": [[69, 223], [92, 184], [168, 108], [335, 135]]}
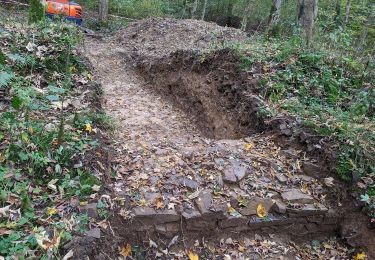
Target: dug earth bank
{"points": [[195, 158]]}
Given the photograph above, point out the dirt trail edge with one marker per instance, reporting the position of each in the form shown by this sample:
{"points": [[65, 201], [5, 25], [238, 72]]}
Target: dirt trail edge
{"points": [[194, 157]]}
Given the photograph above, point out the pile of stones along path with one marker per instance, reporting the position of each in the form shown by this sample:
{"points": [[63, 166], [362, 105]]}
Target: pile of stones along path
{"points": [[169, 178]]}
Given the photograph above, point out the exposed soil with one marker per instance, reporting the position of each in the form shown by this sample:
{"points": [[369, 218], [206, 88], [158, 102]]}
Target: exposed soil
{"points": [[193, 152]]}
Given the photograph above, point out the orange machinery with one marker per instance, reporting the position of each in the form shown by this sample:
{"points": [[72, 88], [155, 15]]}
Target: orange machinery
{"points": [[71, 11]]}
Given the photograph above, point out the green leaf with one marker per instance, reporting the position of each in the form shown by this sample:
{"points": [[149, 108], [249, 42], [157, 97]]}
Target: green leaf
{"points": [[16, 102], [56, 90], [52, 98], [5, 78], [16, 57]]}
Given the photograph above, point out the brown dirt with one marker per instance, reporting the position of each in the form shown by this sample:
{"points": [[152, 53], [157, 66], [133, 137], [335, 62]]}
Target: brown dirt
{"points": [[185, 111]]}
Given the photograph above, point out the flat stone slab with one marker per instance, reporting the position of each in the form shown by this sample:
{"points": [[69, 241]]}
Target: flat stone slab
{"points": [[156, 216], [251, 207], [296, 196]]}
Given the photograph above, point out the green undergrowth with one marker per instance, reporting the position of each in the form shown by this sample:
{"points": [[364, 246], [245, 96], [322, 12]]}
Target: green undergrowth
{"points": [[48, 130], [329, 92]]}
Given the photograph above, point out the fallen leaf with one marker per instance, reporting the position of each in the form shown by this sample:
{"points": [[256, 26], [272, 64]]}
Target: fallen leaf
{"points": [[159, 203], [329, 182], [153, 244], [261, 211], [126, 250], [68, 255], [360, 256], [248, 146], [95, 188], [51, 211], [88, 128], [192, 255]]}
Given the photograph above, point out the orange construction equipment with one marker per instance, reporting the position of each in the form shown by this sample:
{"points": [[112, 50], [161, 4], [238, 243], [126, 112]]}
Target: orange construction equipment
{"points": [[71, 11]]}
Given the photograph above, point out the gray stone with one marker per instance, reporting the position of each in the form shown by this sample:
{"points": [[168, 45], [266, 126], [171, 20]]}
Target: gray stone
{"points": [[291, 154], [89, 209], [312, 169], [235, 172], [95, 233], [251, 207], [308, 210], [155, 216], [151, 196], [234, 222], [281, 178], [296, 196], [280, 207], [204, 201], [191, 184], [168, 229]]}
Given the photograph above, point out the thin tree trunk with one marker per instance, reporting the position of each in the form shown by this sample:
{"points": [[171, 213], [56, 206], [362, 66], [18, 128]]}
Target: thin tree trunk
{"points": [[338, 10], [194, 9], [362, 38], [307, 13], [274, 17], [103, 10], [246, 15], [204, 9], [347, 11]]}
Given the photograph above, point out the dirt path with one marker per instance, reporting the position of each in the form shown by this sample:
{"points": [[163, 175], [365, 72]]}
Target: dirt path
{"points": [[173, 179]]}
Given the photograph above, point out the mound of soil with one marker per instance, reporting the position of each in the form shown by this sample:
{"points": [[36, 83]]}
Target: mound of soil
{"points": [[158, 37]]}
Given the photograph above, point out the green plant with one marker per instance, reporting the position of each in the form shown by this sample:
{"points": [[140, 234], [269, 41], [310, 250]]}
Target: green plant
{"points": [[36, 11]]}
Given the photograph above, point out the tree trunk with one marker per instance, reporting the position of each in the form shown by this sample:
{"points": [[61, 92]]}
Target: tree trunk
{"points": [[347, 10], [362, 38], [246, 15], [307, 13], [194, 9], [338, 10], [274, 17], [204, 9], [103, 10]]}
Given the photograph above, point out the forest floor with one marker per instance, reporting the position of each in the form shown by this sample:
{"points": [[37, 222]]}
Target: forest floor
{"points": [[194, 168]]}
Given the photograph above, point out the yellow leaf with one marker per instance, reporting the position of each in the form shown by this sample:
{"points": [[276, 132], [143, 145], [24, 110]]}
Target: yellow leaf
{"points": [[192, 255], [142, 202], [83, 203], [261, 211], [89, 76], [248, 146], [88, 128], [126, 250], [241, 248], [360, 256], [51, 211], [159, 203], [31, 130]]}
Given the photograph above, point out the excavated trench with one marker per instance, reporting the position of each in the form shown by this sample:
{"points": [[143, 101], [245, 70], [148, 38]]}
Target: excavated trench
{"points": [[166, 160], [210, 88]]}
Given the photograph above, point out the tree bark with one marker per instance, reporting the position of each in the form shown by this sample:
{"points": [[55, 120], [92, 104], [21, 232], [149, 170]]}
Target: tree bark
{"points": [[204, 9], [347, 10], [246, 15], [370, 19], [103, 10], [274, 17], [194, 9], [307, 13], [338, 10]]}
